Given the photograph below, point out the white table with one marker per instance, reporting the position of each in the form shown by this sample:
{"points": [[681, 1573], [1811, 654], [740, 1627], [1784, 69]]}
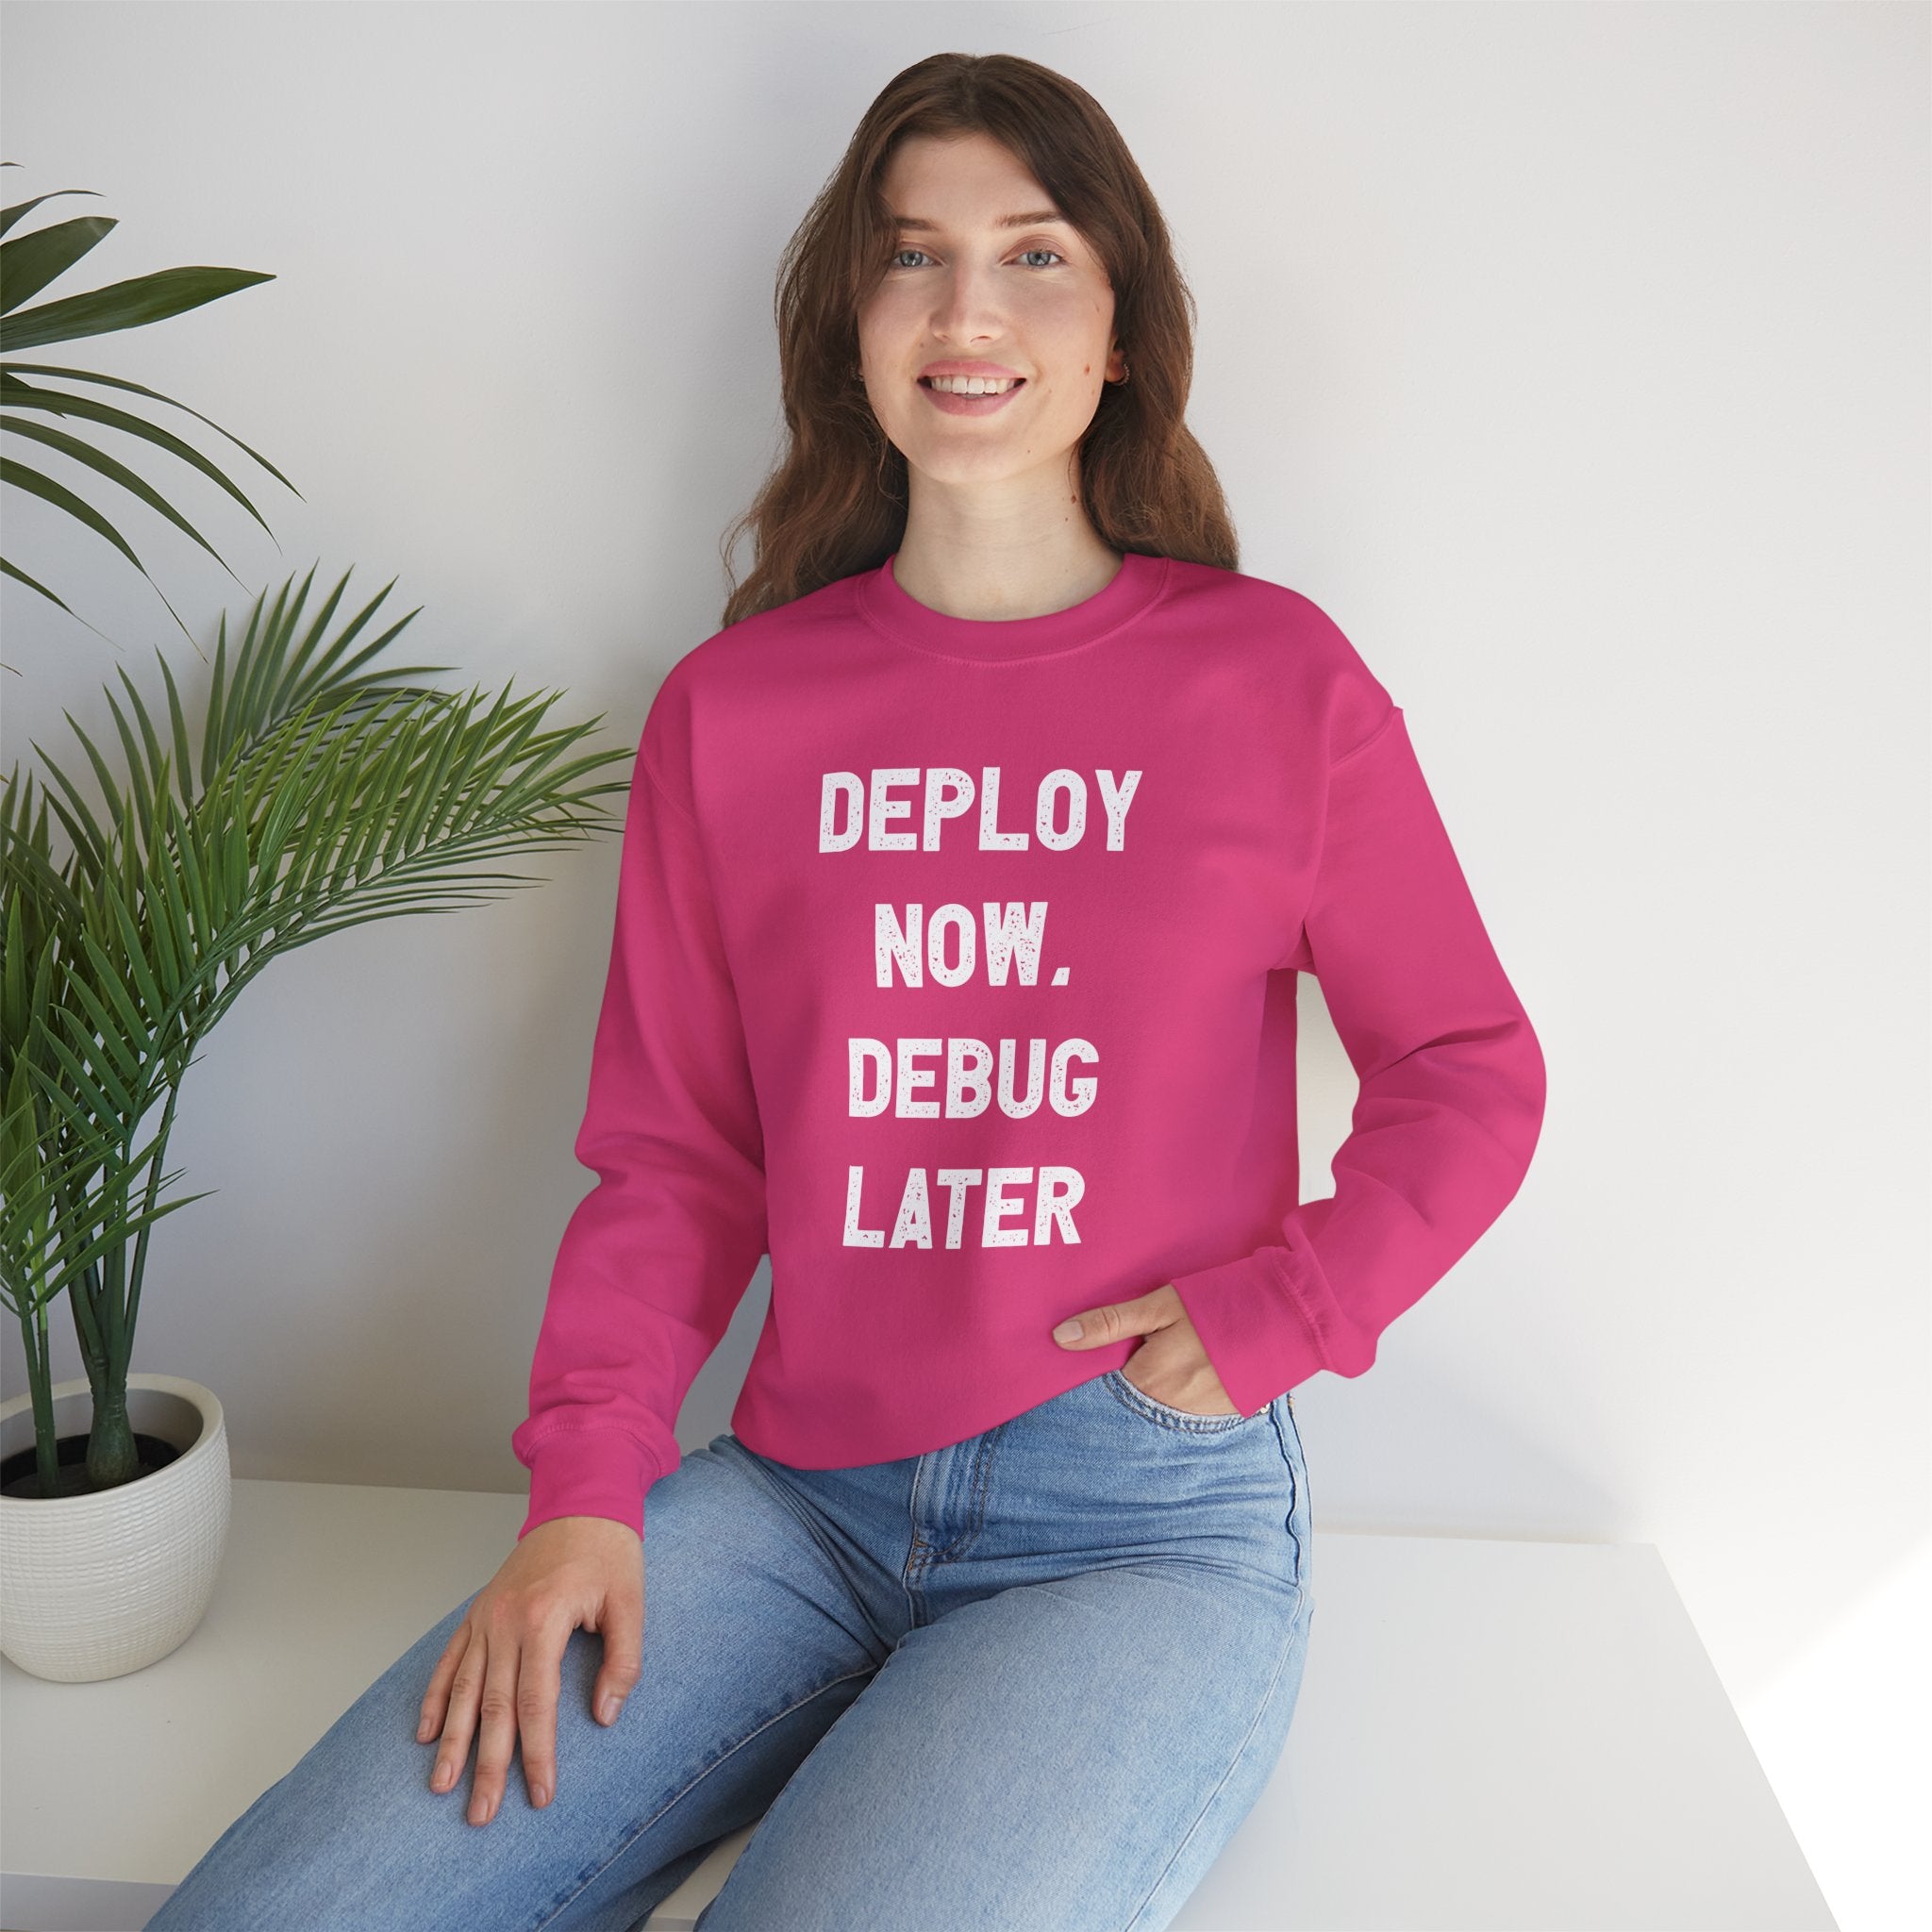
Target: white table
{"points": [[1490, 1735]]}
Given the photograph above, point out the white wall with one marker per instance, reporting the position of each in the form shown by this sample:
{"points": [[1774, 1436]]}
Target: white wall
{"points": [[1573, 356]]}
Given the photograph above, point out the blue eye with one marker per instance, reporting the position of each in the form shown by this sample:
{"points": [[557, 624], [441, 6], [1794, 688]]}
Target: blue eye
{"points": [[899, 253]]}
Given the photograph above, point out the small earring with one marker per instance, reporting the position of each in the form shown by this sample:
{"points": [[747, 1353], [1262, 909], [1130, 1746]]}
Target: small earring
{"points": [[1126, 375]]}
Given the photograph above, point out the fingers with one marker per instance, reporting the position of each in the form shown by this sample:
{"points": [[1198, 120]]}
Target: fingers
{"points": [[538, 1678], [496, 1684], [460, 1716], [496, 1735], [436, 1699], [1103, 1326], [499, 1677]]}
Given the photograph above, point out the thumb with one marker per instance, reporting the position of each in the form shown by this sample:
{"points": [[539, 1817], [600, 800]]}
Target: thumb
{"points": [[1110, 1322]]}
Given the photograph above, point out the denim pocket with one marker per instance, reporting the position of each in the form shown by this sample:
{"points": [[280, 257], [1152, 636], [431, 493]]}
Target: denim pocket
{"points": [[1184, 1420]]}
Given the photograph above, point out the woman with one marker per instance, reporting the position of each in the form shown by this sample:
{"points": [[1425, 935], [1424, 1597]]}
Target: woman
{"points": [[965, 879]]}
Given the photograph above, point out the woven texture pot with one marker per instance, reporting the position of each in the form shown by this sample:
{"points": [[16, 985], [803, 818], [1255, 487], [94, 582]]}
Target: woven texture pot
{"points": [[99, 1585]]}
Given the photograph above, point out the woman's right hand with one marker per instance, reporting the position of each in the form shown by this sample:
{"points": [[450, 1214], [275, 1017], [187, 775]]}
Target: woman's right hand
{"points": [[506, 1658]]}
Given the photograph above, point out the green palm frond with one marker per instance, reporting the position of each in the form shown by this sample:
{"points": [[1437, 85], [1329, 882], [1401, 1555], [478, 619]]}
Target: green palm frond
{"points": [[322, 795], [29, 262]]}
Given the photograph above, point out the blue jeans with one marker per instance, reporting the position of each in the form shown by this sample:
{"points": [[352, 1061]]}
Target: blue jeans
{"points": [[1032, 1681]]}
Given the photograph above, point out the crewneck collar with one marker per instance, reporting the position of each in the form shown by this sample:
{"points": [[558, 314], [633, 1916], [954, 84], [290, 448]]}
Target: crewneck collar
{"points": [[1132, 588]]}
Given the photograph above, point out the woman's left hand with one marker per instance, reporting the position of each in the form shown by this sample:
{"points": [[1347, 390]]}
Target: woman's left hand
{"points": [[1175, 1368]]}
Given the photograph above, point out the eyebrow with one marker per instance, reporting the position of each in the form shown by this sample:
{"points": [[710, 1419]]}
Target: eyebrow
{"points": [[1027, 221]]}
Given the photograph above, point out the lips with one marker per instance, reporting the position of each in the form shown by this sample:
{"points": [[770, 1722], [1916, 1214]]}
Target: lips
{"points": [[949, 403]]}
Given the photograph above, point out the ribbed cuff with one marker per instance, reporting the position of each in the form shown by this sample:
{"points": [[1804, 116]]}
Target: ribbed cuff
{"points": [[587, 1473], [1252, 1327]]}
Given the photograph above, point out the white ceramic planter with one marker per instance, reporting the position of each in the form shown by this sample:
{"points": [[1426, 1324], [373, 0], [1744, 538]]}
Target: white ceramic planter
{"points": [[100, 1584]]}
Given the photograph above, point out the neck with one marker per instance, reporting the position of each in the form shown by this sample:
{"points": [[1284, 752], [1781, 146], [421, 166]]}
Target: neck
{"points": [[996, 575]]}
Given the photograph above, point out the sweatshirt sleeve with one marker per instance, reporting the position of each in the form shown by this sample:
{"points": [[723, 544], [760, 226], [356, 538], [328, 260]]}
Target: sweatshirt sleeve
{"points": [[1450, 1098], [659, 1254]]}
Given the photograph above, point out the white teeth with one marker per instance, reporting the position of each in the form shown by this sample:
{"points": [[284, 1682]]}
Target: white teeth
{"points": [[973, 385]]}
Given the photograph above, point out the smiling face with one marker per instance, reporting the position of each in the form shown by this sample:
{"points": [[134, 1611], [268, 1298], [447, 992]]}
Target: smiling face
{"points": [[965, 287]]}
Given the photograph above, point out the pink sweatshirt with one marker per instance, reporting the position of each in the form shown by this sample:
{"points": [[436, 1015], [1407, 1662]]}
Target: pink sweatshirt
{"points": [[955, 967]]}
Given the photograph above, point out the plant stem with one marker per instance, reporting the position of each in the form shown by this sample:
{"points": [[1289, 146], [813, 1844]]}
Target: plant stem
{"points": [[33, 1330], [104, 1318], [112, 1456]]}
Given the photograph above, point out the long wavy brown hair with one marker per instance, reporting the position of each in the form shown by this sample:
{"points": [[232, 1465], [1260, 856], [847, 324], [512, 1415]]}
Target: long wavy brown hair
{"points": [[835, 503]]}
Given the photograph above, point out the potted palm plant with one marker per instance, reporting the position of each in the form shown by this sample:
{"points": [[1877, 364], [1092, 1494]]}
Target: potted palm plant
{"points": [[322, 793]]}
